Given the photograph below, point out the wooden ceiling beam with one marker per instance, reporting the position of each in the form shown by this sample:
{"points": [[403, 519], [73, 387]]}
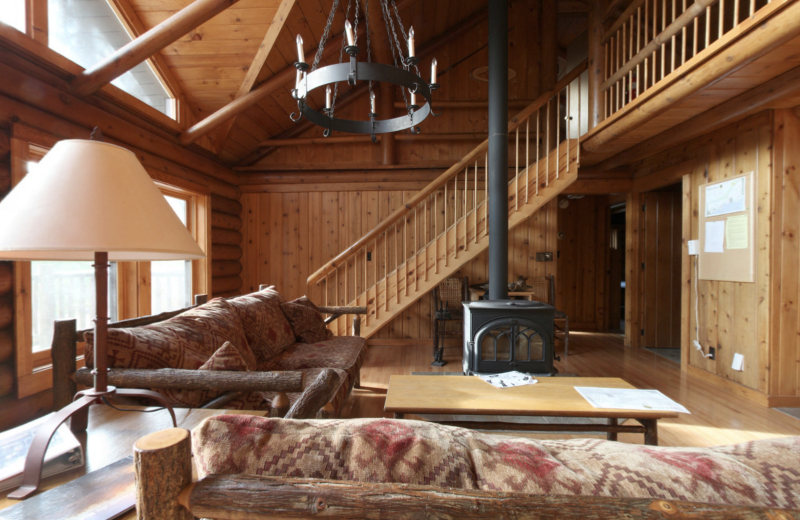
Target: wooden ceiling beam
{"points": [[753, 101], [258, 62], [148, 44], [267, 87]]}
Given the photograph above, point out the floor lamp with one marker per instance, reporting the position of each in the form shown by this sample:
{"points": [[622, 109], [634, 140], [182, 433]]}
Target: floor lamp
{"points": [[89, 200]]}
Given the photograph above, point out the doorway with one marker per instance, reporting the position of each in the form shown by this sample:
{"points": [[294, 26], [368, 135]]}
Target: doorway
{"points": [[616, 269], [660, 253]]}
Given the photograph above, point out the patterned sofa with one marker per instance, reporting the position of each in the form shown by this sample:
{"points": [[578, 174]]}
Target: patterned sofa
{"points": [[761, 474], [255, 332]]}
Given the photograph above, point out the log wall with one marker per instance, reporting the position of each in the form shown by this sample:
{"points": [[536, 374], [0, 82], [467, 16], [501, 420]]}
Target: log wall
{"points": [[38, 98]]}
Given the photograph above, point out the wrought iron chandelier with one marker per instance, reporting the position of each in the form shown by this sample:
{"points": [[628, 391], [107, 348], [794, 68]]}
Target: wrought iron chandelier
{"points": [[401, 74]]}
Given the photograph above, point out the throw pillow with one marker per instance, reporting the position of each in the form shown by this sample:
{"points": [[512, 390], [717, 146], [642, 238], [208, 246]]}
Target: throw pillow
{"points": [[227, 357], [184, 341], [265, 326], [306, 320]]}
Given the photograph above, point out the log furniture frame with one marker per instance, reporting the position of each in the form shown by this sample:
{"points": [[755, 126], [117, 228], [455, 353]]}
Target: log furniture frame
{"points": [[66, 375], [164, 489]]}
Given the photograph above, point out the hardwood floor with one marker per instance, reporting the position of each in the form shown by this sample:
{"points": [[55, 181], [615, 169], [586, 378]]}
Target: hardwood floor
{"points": [[717, 417]]}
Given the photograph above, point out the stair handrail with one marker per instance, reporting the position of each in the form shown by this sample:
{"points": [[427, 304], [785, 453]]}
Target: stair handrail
{"points": [[442, 179]]}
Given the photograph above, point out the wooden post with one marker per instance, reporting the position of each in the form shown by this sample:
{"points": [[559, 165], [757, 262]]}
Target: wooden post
{"points": [[315, 397], [148, 44], [279, 406], [163, 465], [387, 112], [64, 365]]}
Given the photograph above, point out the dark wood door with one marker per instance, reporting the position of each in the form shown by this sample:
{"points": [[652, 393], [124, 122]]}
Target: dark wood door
{"points": [[661, 269]]}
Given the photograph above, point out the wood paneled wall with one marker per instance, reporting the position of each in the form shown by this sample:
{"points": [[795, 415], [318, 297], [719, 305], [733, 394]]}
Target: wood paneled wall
{"points": [[6, 284], [734, 317], [783, 359], [287, 236], [581, 284]]}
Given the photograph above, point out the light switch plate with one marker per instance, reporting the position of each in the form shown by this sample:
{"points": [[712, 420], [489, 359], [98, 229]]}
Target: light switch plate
{"points": [[693, 247], [738, 362]]}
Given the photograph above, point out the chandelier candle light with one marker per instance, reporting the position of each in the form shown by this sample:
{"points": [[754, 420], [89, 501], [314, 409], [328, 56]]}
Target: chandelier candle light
{"points": [[403, 73]]}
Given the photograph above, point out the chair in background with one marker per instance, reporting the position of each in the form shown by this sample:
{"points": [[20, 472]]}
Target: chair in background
{"points": [[544, 290], [448, 296]]}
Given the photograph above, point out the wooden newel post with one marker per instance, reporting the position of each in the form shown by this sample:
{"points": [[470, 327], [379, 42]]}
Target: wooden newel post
{"points": [[163, 466]]}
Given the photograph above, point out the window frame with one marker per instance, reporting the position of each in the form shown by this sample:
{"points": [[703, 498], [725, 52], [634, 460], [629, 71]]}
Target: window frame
{"points": [[34, 369]]}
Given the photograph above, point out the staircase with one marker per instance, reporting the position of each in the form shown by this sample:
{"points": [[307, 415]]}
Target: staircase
{"points": [[444, 226]]}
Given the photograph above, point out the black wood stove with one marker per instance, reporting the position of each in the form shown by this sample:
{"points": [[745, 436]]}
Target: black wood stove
{"points": [[501, 334]]}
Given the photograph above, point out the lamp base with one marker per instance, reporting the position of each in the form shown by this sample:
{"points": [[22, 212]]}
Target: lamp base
{"points": [[34, 461]]}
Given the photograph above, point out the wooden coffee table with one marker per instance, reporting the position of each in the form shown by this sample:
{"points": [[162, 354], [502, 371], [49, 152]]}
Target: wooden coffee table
{"points": [[550, 397]]}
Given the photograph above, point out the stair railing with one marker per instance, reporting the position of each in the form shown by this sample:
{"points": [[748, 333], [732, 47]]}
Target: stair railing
{"points": [[653, 38], [395, 244]]}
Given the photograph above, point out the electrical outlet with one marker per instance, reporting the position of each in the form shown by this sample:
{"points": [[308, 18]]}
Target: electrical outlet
{"points": [[369, 256], [712, 353], [738, 362]]}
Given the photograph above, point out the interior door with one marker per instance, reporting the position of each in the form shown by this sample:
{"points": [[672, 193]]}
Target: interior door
{"points": [[661, 268]]}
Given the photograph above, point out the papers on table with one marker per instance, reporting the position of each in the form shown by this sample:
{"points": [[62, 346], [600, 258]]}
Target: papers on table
{"points": [[629, 399], [509, 379]]}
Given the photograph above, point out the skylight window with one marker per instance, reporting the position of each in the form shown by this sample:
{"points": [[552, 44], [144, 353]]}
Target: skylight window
{"points": [[88, 31], [13, 14]]}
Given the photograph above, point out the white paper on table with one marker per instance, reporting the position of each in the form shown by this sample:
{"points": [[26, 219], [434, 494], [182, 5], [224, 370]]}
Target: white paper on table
{"points": [[630, 399], [715, 234], [509, 379]]}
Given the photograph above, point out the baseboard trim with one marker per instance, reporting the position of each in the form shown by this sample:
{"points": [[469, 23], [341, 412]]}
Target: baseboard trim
{"points": [[405, 342], [730, 386], [784, 401]]}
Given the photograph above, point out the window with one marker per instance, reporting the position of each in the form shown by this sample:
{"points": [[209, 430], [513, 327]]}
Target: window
{"points": [[88, 31], [47, 291], [13, 14], [171, 281]]}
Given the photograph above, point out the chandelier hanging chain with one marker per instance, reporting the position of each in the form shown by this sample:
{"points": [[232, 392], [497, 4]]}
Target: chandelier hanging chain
{"points": [[390, 30], [325, 35], [341, 57], [401, 75]]}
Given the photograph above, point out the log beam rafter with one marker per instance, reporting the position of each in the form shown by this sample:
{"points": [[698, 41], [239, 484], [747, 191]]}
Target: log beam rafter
{"points": [[257, 64], [148, 44]]}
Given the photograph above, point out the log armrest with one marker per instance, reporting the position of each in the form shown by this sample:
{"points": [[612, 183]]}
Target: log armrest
{"points": [[181, 379], [315, 397], [337, 311]]}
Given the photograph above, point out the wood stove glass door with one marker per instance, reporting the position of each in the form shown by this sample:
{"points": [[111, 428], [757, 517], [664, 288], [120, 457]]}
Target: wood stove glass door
{"points": [[494, 344]]}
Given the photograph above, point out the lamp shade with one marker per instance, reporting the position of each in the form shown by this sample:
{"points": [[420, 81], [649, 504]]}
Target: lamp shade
{"points": [[86, 197]]}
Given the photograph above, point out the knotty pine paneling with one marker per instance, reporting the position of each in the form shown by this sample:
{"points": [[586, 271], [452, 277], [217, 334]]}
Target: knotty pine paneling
{"points": [[734, 317], [784, 351], [581, 284], [287, 236]]}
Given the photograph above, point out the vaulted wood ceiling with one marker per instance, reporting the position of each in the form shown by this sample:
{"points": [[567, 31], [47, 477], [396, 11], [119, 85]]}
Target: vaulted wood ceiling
{"points": [[210, 64]]}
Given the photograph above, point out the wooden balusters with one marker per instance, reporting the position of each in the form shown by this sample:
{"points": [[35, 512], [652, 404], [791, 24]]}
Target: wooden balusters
{"points": [[486, 195], [558, 128], [516, 175], [386, 269], [538, 123], [683, 33], [527, 164], [466, 186], [446, 245], [475, 201], [547, 145]]}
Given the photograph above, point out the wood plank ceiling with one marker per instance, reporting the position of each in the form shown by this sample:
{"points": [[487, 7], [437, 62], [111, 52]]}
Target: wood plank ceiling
{"points": [[210, 63]]}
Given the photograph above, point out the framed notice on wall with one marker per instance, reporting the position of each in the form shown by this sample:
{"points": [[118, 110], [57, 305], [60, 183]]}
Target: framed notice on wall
{"points": [[727, 230]]}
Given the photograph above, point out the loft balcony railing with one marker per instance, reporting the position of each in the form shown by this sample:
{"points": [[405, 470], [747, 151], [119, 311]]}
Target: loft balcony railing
{"points": [[654, 38]]}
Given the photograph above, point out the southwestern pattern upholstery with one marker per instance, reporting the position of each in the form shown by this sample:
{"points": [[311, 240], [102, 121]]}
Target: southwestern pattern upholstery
{"points": [[306, 320], [764, 473], [227, 357], [256, 327], [184, 341], [266, 328]]}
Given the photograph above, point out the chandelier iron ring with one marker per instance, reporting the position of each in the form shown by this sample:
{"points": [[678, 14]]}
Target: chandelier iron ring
{"points": [[367, 71]]}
